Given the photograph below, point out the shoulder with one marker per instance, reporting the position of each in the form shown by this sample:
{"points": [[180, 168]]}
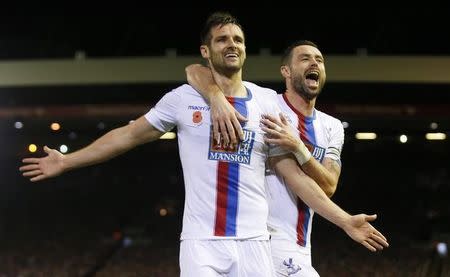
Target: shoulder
{"points": [[185, 89], [259, 90], [183, 92], [329, 119]]}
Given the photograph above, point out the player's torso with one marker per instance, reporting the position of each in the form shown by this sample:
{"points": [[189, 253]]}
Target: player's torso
{"points": [[225, 194], [289, 217]]}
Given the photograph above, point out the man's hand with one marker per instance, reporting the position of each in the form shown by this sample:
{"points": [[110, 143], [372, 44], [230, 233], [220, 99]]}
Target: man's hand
{"points": [[224, 117], [41, 168], [226, 121], [361, 231], [280, 132]]}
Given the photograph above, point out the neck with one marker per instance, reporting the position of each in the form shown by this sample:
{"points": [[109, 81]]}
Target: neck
{"points": [[232, 85], [305, 106]]}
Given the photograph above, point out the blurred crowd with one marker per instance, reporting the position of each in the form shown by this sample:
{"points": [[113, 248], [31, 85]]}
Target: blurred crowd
{"points": [[141, 254]]}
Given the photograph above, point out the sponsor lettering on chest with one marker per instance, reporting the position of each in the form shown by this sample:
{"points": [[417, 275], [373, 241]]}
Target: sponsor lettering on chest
{"points": [[238, 154]]}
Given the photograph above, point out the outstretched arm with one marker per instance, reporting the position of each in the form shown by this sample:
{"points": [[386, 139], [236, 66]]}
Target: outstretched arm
{"points": [[225, 119], [110, 145], [356, 226], [281, 133]]}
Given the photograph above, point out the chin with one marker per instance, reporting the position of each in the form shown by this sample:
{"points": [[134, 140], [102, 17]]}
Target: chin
{"points": [[311, 94]]}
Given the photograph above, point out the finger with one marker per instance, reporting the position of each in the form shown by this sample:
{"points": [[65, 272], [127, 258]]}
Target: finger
{"points": [[371, 217], [378, 234], [270, 124], [216, 133], [223, 133], [237, 126], [375, 244], [283, 119], [240, 117], [380, 240], [368, 246], [30, 160], [38, 178], [272, 118], [231, 133], [271, 132], [47, 150], [32, 173], [29, 167]]}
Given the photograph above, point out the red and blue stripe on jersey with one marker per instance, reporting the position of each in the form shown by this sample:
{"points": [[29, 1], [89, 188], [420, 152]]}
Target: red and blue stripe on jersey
{"points": [[228, 184], [305, 128]]}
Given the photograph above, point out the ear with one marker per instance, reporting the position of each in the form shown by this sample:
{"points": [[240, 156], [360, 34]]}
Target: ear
{"points": [[204, 51], [284, 69]]}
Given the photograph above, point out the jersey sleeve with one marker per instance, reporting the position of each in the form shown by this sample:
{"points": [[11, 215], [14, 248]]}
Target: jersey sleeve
{"points": [[336, 142], [163, 116]]}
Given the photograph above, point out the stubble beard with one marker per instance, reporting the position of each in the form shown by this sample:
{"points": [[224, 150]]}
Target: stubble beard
{"points": [[223, 68], [304, 92]]}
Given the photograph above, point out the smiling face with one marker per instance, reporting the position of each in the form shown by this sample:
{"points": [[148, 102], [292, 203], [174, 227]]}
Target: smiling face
{"points": [[226, 49], [305, 71]]}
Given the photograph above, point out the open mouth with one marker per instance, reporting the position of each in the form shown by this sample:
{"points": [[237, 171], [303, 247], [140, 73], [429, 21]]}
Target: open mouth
{"points": [[231, 55], [312, 79], [313, 75]]}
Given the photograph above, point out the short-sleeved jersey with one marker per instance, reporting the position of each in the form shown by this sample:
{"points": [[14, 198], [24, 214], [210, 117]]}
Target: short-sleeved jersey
{"points": [[289, 217], [225, 194]]}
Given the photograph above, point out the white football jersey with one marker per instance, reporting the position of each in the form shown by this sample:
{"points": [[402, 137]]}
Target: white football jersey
{"points": [[289, 217], [224, 188]]}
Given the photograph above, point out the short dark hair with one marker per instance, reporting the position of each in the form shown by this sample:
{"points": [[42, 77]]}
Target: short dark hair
{"points": [[287, 56], [216, 19]]}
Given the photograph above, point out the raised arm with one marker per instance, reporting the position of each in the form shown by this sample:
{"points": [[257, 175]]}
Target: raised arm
{"points": [[356, 226], [281, 133], [110, 145], [225, 119]]}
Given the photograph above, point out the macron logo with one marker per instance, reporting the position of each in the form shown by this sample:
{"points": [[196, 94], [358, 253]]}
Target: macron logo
{"points": [[198, 108]]}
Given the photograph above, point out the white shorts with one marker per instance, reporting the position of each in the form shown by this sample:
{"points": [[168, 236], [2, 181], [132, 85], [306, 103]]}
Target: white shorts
{"points": [[291, 260], [230, 258]]}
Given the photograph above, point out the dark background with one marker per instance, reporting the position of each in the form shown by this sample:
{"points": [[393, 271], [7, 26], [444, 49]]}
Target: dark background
{"points": [[133, 30], [76, 223]]}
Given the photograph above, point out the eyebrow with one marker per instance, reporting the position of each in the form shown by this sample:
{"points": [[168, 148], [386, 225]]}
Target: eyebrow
{"points": [[234, 37], [310, 55]]}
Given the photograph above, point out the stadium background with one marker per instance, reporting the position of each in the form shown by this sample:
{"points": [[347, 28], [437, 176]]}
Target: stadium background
{"points": [[122, 218]]}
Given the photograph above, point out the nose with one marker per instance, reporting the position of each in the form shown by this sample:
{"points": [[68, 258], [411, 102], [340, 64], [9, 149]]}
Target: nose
{"points": [[232, 43]]}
